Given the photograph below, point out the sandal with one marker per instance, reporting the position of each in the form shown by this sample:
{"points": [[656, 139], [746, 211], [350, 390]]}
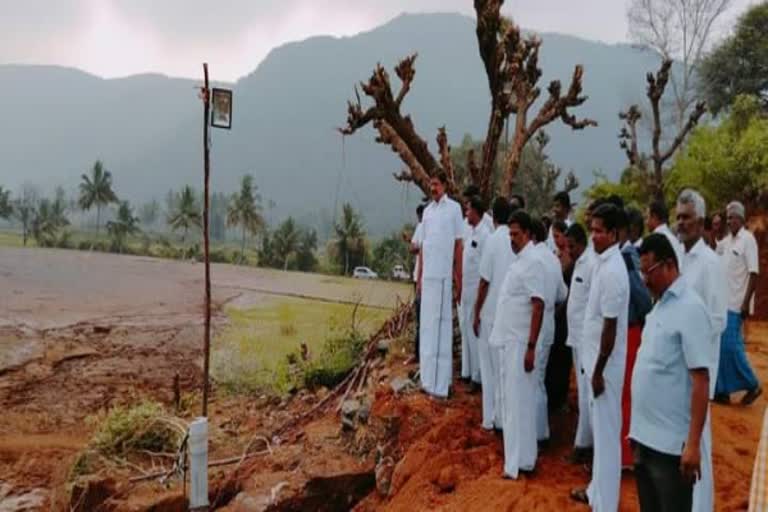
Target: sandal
{"points": [[580, 495]]}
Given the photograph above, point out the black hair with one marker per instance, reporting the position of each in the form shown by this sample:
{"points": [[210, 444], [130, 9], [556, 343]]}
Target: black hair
{"points": [[708, 223], [577, 233], [477, 204], [471, 190], [658, 245], [563, 198], [610, 215], [596, 203], [519, 199], [538, 230], [622, 218], [522, 219], [615, 200], [420, 209], [635, 220], [501, 210], [658, 209], [442, 177], [560, 226]]}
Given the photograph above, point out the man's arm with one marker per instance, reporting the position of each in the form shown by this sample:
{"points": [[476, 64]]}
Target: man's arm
{"points": [[537, 315], [482, 294], [458, 250], [751, 285], [690, 460], [421, 271], [607, 341]]}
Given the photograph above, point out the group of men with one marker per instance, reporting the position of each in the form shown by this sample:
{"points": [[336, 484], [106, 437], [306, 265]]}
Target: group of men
{"points": [[654, 326]]}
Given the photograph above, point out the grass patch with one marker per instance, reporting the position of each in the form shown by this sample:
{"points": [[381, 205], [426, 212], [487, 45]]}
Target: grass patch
{"points": [[260, 350], [12, 239]]}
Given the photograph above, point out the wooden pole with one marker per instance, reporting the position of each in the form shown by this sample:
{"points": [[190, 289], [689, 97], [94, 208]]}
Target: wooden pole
{"points": [[207, 174]]}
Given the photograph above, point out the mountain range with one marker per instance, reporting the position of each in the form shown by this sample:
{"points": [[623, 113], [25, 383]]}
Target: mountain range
{"points": [[147, 129]]}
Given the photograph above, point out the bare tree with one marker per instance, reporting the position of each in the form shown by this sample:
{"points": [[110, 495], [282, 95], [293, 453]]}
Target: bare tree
{"points": [[659, 156], [512, 68], [680, 30]]}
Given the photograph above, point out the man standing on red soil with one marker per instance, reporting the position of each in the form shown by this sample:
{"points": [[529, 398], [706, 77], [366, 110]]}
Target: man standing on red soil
{"points": [[670, 384], [604, 347], [704, 274], [577, 303], [516, 331], [740, 257], [440, 284], [494, 263]]}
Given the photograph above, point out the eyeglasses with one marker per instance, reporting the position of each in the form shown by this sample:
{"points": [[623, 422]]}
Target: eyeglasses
{"points": [[652, 268]]}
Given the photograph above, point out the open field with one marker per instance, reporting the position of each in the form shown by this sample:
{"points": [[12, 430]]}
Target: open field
{"points": [[81, 332]]}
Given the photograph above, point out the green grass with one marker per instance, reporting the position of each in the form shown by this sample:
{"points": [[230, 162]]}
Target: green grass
{"points": [[13, 239], [251, 354]]}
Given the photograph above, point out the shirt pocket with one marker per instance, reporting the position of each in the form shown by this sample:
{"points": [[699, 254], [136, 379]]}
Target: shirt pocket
{"points": [[663, 345]]}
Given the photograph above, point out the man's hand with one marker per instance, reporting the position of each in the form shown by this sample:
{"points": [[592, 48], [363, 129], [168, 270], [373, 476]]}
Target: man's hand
{"points": [[530, 357], [690, 463], [476, 325], [598, 384], [457, 291], [744, 312]]}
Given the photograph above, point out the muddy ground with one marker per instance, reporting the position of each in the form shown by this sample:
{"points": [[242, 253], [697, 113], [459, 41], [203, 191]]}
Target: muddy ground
{"points": [[81, 332]]}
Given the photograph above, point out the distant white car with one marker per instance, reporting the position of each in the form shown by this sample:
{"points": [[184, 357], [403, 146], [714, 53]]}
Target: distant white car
{"points": [[364, 273], [398, 272]]}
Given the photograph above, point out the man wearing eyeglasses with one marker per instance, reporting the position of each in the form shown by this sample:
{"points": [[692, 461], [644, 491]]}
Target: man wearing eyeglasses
{"points": [[670, 384]]}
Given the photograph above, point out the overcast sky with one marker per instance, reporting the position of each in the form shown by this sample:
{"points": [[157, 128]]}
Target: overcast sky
{"points": [[121, 37]]}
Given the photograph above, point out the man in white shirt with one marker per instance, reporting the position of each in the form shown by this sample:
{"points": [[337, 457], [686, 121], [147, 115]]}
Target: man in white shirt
{"points": [[495, 261], [555, 292], [577, 304], [704, 275], [440, 280], [516, 331], [604, 354], [474, 241], [740, 259], [670, 384], [416, 240], [657, 220]]}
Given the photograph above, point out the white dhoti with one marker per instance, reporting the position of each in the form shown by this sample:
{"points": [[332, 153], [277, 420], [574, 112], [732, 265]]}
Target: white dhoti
{"points": [[704, 490], [489, 376], [518, 391], [436, 336], [542, 404], [583, 437], [470, 359], [605, 412]]}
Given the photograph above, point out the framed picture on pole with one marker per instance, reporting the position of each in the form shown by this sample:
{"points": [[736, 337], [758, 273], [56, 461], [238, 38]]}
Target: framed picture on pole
{"points": [[221, 114]]}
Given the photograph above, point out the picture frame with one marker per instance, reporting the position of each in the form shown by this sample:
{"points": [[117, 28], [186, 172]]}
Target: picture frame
{"points": [[221, 108]]}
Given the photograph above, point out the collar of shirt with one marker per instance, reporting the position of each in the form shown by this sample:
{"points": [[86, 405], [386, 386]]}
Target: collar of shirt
{"points": [[673, 291], [606, 254], [526, 250], [661, 228], [738, 234], [697, 248]]}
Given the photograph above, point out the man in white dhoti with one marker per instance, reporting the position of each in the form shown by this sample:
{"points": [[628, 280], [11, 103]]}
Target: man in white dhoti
{"points": [[440, 283], [555, 292], [657, 220], [577, 305], [705, 275], [516, 331], [494, 263], [474, 241], [604, 355]]}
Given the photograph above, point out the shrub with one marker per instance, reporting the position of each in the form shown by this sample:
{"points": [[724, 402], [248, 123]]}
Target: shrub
{"points": [[339, 355], [145, 426]]}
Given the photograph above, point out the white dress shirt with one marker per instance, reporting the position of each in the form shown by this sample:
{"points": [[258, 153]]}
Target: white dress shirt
{"points": [[522, 283], [579, 295], [494, 263], [740, 259], [704, 275], [443, 225], [417, 240], [555, 290], [608, 298], [474, 242]]}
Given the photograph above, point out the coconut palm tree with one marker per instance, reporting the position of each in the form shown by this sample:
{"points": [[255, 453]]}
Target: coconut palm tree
{"points": [[6, 206], [185, 213], [245, 210], [96, 190], [49, 218], [350, 236], [285, 240], [125, 224]]}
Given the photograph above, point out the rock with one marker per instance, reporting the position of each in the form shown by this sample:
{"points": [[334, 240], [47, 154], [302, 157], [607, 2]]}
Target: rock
{"points": [[401, 384], [384, 470], [364, 412], [349, 410], [447, 478], [90, 494], [384, 345], [246, 503]]}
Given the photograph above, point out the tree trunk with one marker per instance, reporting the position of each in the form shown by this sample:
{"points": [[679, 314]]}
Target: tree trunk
{"points": [[346, 262], [242, 247], [98, 218]]}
